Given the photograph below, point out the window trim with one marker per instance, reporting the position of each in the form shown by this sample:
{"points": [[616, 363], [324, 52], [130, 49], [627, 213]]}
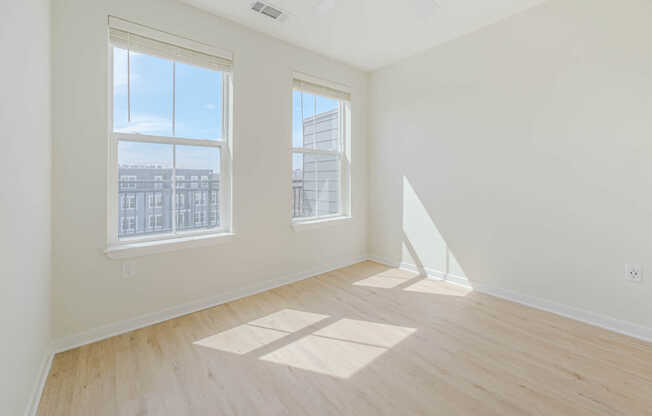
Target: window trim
{"points": [[226, 165], [343, 152]]}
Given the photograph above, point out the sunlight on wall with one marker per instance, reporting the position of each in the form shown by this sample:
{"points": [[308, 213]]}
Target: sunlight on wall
{"points": [[423, 245]]}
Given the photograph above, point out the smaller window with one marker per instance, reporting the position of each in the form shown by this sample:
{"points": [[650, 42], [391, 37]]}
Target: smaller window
{"points": [[181, 182], [204, 181], [128, 225], [198, 218], [156, 200], [128, 201], [158, 182], [128, 182], [193, 183], [156, 221], [198, 198], [181, 200], [181, 219]]}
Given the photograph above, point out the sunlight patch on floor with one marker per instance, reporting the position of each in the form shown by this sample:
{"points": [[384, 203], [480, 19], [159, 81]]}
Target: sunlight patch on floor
{"points": [[386, 280], [288, 320], [241, 339], [340, 349], [434, 287]]}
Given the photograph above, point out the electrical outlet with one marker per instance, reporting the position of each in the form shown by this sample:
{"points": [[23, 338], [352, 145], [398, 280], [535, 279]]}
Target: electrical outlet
{"points": [[128, 270], [634, 273]]}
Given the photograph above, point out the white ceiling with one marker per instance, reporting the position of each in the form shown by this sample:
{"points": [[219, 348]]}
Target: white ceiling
{"points": [[368, 34]]}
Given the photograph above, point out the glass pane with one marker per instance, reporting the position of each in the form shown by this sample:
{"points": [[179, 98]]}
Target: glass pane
{"points": [[315, 185], [150, 80], [120, 90], [326, 171], [302, 190], [315, 121], [326, 124], [144, 189], [198, 188], [198, 111]]}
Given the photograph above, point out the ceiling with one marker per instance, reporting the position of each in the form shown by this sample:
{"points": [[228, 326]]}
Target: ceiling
{"points": [[368, 34]]}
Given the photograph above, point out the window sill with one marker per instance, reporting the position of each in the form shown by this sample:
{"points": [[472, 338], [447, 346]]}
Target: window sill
{"points": [[319, 223], [139, 249]]}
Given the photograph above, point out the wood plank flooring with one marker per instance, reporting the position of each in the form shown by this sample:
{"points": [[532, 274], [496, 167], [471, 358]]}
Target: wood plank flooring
{"points": [[363, 340]]}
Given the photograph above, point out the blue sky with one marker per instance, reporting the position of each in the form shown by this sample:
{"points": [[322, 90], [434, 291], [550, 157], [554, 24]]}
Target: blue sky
{"points": [[198, 112]]}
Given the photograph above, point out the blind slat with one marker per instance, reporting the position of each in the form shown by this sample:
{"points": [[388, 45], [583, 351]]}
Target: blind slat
{"points": [[322, 90], [141, 44]]}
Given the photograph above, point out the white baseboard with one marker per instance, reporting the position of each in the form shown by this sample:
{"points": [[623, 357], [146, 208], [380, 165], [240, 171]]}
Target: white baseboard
{"points": [[606, 322], [612, 324], [117, 328], [37, 391]]}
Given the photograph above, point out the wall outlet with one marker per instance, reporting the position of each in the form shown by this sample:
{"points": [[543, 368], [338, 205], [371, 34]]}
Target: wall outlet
{"points": [[128, 270], [634, 273]]}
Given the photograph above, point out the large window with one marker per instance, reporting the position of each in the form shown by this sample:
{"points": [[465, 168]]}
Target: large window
{"points": [[171, 118], [320, 130]]}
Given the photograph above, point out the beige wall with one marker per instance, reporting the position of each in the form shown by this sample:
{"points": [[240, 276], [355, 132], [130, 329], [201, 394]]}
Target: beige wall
{"points": [[25, 162], [88, 288], [525, 148]]}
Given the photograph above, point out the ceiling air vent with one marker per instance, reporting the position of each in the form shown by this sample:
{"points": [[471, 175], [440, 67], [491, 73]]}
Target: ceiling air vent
{"points": [[267, 10]]}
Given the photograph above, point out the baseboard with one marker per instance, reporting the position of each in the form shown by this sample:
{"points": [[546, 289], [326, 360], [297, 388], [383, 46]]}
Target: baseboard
{"points": [[606, 322], [110, 330], [37, 391]]}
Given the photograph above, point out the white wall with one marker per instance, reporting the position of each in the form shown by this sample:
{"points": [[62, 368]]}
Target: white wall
{"points": [[88, 288], [526, 148], [25, 162]]}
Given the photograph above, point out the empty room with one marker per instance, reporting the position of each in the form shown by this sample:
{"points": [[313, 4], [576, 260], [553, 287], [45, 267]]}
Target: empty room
{"points": [[326, 207]]}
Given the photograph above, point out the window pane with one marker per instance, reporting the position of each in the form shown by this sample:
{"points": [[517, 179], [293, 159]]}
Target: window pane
{"points": [[120, 89], [144, 189], [315, 185], [150, 81], [315, 121], [198, 187], [326, 173], [198, 111]]}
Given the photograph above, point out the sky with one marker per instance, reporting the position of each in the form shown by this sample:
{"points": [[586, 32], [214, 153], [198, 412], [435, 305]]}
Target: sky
{"points": [[198, 112]]}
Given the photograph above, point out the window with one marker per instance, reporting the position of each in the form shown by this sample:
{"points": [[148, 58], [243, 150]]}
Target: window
{"points": [[128, 182], [320, 130], [156, 200], [197, 198], [128, 201], [181, 201], [128, 225], [155, 221], [171, 120]]}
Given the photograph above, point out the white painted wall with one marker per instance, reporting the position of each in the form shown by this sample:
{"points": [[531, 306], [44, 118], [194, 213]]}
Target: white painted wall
{"points": [[88, 288], [25, 162], [526, 148]]}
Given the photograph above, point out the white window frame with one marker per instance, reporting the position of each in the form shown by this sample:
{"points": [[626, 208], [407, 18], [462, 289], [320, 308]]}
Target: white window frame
{"points": [[343, 151], [225, 144]]}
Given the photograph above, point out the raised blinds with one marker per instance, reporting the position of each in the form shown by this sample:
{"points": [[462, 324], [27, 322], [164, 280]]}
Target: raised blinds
{"points": [[134, 38]]}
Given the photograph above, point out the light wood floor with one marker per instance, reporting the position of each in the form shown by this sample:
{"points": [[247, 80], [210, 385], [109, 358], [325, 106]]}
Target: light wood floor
{"points": [[364, 340]]}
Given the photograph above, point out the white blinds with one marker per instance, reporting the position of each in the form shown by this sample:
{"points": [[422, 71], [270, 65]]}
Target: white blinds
{"points": [[136, 43], [322, 90]]}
